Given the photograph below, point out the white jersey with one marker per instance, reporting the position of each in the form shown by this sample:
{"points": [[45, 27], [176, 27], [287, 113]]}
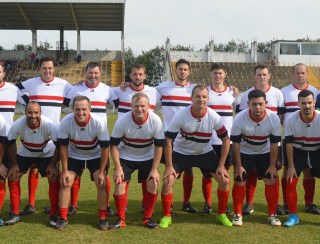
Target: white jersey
{"points": [[273, 96], [173, 98], [3, 131], [126, 96], [49, 95], [136, 140], [255, 136], [34, 142], [290, 94], [9, 95], [84, 142], [191, 134], [223, 103], [98, 95], [303, 135]]}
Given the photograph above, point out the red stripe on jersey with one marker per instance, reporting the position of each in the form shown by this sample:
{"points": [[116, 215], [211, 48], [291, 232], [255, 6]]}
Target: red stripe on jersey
{"points": [[221, 130], [124, 104], [45, 97], [84, 142], [291, 104], [8, 103], [197, 133], [152, 107], [303, 138], [274, 109], [176, 98], [256, 137], [40, 145], [96, 103], [225, 107], [138, 140]]}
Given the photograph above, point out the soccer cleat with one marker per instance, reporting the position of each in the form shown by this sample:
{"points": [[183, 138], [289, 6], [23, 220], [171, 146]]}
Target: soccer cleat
{"points": [[150, 224], [103, 224], [61, 224], [292, 220], [14, 219], [206, 209], [28, 210], [237, 220], [165, 222], [312, 209], [72, 210], [248, 209], [53, 220], [110, 212], [47, 210], [117, 225], [1, 222], [274, 220], [280, 211], [188, 208], [223, 219], [286, 209], [228, 210]]}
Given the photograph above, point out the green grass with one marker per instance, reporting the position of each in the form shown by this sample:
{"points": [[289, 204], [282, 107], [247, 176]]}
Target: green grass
{"points": [[186, 228]]}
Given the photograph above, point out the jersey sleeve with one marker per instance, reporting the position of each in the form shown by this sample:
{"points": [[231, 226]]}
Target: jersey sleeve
{"points": [[288, 129], [69, 97], [158, 133], [63, 133], [14, 132], [3, 131], [243, 102], [113, 98], [103, 135], [280, 108], [117, 133], [236, 130], [219, 126], [275, 135], [53, 132], [174, 126]]}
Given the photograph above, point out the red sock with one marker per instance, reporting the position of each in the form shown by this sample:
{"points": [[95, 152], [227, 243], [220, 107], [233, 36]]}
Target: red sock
{"points": [[150, 200], [144, 191], [251, 185], [102, 214], [292, 196], [108, 187], [120, 201], [207, 190], [284, 190], [75, 188], [166, 204], [222, 201], [33, 182], [54, 197], [309, 188], [238, 193], [278, 188], [2, 193], [14, 196], [64, 213], [127, 189], [271, 194], [187, 187]]}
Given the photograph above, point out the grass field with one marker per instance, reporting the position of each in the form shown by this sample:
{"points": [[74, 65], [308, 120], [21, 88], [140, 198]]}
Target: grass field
{"points": [[186, 228]]}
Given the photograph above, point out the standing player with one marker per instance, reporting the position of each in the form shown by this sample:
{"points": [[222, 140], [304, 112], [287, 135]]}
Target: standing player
{"points": [[136, 144], [290, 94], [84, 142], [3, 163], [255, 135], [37, 137], [49, 92], [191, 130], [276, 105], [302, 136], [99, 94]]}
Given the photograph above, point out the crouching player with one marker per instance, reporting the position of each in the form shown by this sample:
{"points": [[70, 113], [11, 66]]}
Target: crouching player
{"points": [[302, 136], [190, 131], [136, 144], [255, 135], [37, 137], [84, 142]]}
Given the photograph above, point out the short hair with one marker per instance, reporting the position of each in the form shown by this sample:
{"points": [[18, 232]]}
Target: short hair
{"points": [[256, 94], [31, 102], [182, 61], [46, 59], [305, 93], [79, 99], [3, 68], [261, 66], [139, 95], [92, 65], [215, 66], [138, 66], [297, 65], [201, 87]]}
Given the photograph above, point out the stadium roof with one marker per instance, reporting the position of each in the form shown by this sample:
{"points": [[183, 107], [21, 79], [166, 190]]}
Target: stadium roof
{"points": [[81, 15]]}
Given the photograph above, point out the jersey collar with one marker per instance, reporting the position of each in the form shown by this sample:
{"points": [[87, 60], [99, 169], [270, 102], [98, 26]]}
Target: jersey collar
{"points": [[257, 120], [139, 123], [134, 89], [305, 88], [87, 122], [307, 122], [47, 81], [89, 86]]}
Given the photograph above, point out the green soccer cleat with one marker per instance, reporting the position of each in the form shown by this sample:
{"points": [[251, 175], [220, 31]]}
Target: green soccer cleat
{"points": [[165, 222], [223, 219]]}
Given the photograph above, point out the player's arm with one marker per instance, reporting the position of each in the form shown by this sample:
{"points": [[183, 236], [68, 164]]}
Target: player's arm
{"points": [[158, 149], [272, 170], [103, 161], [225, 148], [3, 169], [53, 169], [238, 169], [291, 171], [169, 170], [12, 152], [118, 174]]}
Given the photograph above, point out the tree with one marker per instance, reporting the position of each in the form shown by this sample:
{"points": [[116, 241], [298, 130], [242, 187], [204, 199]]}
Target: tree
{"points": [[179, 47], [44, 45], [22, 47], [1, 48], [264, 47]]}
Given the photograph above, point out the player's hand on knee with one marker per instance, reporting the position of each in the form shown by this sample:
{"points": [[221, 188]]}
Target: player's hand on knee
{"points": [[291, 172], [154, 175], [118, 175], [238, 172], [13, 171], [65, 178], [169, 171], [272, 170], [3, 171], [223, 173], [52, 172], [100, 180]]}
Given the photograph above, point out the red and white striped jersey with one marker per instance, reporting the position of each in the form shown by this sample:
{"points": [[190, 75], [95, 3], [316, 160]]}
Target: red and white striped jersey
{"points": [[290, 94], [223, 103], [126, 96], [173, 98], [34, 142], [304, 135], [84, 142], [255, 136], [136, 140], [192, 134], [99, 96], [49, 95]]}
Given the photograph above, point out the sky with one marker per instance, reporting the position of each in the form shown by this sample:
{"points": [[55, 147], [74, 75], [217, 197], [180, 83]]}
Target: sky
{"points": [[188, 22]]}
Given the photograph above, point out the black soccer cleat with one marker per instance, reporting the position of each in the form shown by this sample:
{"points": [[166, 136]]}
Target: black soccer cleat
{"points": [[28, 210], [187, 207], [15, 219]]}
